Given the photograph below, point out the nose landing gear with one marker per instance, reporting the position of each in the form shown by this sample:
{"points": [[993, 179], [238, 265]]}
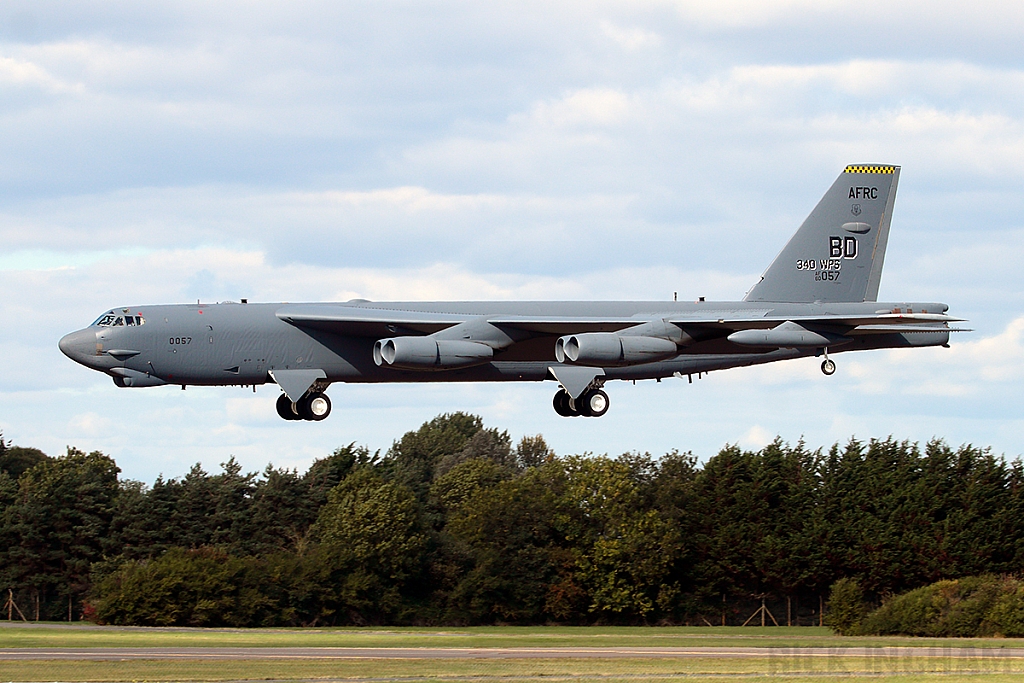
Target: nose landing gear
{"points": [[314, 406], [592, 403]]}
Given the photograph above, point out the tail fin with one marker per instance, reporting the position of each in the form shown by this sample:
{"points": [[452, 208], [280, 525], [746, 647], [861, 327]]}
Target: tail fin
{"points": [[837, 253]]}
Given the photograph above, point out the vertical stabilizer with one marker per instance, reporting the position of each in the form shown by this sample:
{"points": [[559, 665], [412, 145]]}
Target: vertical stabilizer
{"points": [[837, 253]]}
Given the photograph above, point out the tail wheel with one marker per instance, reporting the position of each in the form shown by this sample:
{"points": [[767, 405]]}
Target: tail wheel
{"points": [[315, 406], [563, 404], [594, 403], [828, 366], [286, 409]]}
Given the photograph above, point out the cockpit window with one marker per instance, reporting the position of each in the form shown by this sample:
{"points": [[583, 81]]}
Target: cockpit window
{"points": [[114, 320]]}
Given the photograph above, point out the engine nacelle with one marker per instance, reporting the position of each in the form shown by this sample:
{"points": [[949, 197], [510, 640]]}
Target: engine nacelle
{"points": [[428, 353], [607, 348]]}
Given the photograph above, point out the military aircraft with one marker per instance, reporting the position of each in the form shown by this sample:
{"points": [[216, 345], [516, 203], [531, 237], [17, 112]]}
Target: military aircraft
{"points": [[818, 297]]}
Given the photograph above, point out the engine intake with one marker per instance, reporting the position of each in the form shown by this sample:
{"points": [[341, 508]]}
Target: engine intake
{"points": [[607, 348], [428, 353]]}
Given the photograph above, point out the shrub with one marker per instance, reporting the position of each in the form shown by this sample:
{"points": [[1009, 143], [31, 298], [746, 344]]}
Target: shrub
{"points": [[960, 608], [846, 607], [1006, 618], [203, 587]]}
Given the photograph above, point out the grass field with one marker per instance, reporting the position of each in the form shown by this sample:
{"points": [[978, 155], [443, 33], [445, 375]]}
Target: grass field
{"points": [[990, 667], [457, 671], [54, 635]]}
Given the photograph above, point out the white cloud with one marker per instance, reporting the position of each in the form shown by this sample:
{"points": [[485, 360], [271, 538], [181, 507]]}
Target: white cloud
{"points": [[748, 13], [592, 106], [14, 72], [89, 425], [757, 437], [632, 38]]}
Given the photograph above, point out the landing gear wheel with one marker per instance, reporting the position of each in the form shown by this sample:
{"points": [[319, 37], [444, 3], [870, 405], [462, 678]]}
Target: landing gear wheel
{"points": [[593, 403], [828, 366], [563, 404], [315, 406], [286, 409]]}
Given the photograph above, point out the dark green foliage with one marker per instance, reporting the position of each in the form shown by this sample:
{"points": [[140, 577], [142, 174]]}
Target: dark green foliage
{"points": [[371, 543], [326, 473], [57, 525], [444, 435], [14, 460], [623, 548], [204, 587], [1006, 618], [898, 518], [961, 608], [450, 491], [518, 568], [455, 525], [486, 444], [533, 451], [846, 607]]}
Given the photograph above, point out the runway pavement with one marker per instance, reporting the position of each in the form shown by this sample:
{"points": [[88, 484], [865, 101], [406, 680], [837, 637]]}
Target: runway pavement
{"points": [[299, 653]]}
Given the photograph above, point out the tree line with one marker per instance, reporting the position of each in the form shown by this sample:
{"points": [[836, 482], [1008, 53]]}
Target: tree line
{"points": [[456, 525]]}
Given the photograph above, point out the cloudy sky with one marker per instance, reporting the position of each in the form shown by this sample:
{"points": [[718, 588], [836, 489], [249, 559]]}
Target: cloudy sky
{"points": [[155, 152]]}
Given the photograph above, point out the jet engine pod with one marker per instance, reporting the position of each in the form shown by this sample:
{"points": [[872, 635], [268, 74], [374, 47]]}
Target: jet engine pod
{"points": [[647, 349], [607, 348], [428, 353]]}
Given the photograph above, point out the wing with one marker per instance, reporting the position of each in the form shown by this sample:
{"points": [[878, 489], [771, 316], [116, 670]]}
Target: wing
{"points": [[360, 321], [377, 322]]}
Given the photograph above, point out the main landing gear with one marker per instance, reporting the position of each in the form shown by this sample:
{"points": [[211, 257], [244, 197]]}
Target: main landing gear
{"points": [[314, 406], [592, 403]]}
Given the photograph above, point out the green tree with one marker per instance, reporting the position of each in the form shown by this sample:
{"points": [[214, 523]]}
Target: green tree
{"points": [[58, 525], [371, 544], [326, 473], [280, 513], [846, 607], [201, 587], [755, 529], [412, 460], [486, 444], [211, 509], [17, 459], [533, 451], [518, 567], [624, 548]]}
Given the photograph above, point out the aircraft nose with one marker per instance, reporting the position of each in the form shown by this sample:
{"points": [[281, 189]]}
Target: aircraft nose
{"points": [[79, 346]]}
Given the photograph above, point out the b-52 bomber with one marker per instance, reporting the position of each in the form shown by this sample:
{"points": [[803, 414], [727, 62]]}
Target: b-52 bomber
{"points": [[818, 297]]}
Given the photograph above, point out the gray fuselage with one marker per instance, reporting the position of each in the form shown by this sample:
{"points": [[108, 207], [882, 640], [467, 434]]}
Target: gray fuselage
{"points": [[240, 344]]}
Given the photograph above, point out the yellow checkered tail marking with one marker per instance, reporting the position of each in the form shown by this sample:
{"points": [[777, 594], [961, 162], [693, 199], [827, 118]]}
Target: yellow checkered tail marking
{"points": [[870, 169]]}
